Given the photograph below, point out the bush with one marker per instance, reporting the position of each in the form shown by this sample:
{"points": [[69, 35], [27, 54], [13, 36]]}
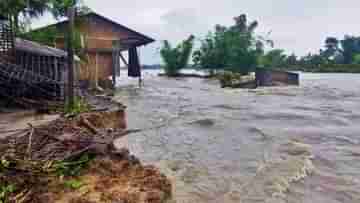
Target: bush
{"points": [[227, 78], [176, 58], [327, 68], [80, 106], [235, 48]]}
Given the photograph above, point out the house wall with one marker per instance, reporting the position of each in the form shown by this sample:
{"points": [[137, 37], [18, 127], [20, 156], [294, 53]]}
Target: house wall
{"points": [[268, 77]]}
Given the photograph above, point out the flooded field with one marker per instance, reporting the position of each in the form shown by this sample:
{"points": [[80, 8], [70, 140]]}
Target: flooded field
{"points": [[277, 144]]}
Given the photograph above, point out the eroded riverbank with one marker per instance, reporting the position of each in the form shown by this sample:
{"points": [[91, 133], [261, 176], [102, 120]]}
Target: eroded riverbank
{"points": [[213, 141]]}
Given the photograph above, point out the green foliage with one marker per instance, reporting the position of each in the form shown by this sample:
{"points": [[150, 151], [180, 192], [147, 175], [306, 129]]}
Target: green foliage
{"points": [[233, 48], [80, 106], [344, 54], [73, 184], [326, 68], [59, 7], [331, 48], [273, 58], [4, 164], [31, 8], [73, 167], [5, 191], [45, 36], [15, 9], [176, 58], [356, 59], [350, 46], [227, 78], [291, 60]]}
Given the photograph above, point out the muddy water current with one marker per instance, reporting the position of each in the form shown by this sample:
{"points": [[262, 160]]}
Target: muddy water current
{"points": [[274, 144]]}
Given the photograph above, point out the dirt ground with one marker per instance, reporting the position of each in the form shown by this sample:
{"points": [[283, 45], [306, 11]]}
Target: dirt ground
{"points": [[73, 159]]}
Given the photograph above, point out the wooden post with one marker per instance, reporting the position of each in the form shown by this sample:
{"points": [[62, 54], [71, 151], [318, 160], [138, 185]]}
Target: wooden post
{"points": [[115, 58], [70, 50], [96, 84], [140, 78], [58, 91], [113, 68]]}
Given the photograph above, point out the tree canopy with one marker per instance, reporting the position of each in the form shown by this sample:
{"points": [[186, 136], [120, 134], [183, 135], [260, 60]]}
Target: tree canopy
{"points": [[20, 10], [176, 58], [234, 48]]}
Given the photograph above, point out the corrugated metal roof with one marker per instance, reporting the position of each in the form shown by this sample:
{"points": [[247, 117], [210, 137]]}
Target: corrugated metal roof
{"points": [[39, 49], [141, 39], [36, 48]]}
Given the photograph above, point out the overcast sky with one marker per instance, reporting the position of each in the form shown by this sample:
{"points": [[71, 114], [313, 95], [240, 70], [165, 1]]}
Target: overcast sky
{"points": [[298, 26]]}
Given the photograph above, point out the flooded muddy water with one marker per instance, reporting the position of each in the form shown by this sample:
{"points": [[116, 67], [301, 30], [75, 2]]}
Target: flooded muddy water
{"points": [[274, 144]]}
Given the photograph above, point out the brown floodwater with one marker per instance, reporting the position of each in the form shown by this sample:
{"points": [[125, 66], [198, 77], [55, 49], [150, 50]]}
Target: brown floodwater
{"points": [[274, 144]]}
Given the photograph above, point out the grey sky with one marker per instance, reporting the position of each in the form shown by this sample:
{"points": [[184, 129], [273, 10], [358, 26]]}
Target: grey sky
{"points": [[298, 26]]}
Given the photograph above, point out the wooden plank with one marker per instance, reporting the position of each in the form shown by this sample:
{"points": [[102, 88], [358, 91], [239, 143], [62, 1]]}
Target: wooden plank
{"points": [[123, 59], [114, 55]]}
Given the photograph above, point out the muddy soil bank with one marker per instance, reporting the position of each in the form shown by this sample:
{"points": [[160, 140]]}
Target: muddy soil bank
{"points": [[214, 142], [51, 158]]}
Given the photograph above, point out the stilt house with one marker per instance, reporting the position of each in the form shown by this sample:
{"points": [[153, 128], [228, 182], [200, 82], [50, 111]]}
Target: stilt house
{"points": [[103, 42]]}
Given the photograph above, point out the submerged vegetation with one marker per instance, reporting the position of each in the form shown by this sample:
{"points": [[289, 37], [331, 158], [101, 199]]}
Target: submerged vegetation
{"points": [[239, 49], [176, 58], [233, 48]]}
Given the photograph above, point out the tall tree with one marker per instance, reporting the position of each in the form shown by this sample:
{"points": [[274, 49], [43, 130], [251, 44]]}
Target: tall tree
{"points": [[273, 58], [233, 48], [332, 52], [332, 43], [350, 46], [15, 9], [59, 7], [291, 60]]}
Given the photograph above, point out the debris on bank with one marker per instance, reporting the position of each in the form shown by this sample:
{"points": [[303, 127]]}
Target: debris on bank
{"points": [[74, 159]]}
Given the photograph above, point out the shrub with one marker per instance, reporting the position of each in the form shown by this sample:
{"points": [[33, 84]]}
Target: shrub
{"points": [[176, 58]]}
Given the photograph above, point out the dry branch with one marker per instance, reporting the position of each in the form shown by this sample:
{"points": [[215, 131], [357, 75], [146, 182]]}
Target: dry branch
{"points": [[88, 125], [30, 140]]}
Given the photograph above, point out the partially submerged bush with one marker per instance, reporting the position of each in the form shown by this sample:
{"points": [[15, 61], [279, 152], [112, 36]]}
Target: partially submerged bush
{"points": [[227, 78], [176, 58]]}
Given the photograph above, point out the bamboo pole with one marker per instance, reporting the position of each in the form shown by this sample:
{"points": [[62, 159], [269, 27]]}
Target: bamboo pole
{"points": [[71, 16]]}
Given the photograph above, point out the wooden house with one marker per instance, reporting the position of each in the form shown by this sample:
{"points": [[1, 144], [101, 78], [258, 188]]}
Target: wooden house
{"points": [[102, 43]]}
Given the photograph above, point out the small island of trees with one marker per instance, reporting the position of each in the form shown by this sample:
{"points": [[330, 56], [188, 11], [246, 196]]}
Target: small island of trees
{"points": [[238, 49]]}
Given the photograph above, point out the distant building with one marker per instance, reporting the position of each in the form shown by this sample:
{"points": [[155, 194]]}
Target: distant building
{"points": [[103, 42]]}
